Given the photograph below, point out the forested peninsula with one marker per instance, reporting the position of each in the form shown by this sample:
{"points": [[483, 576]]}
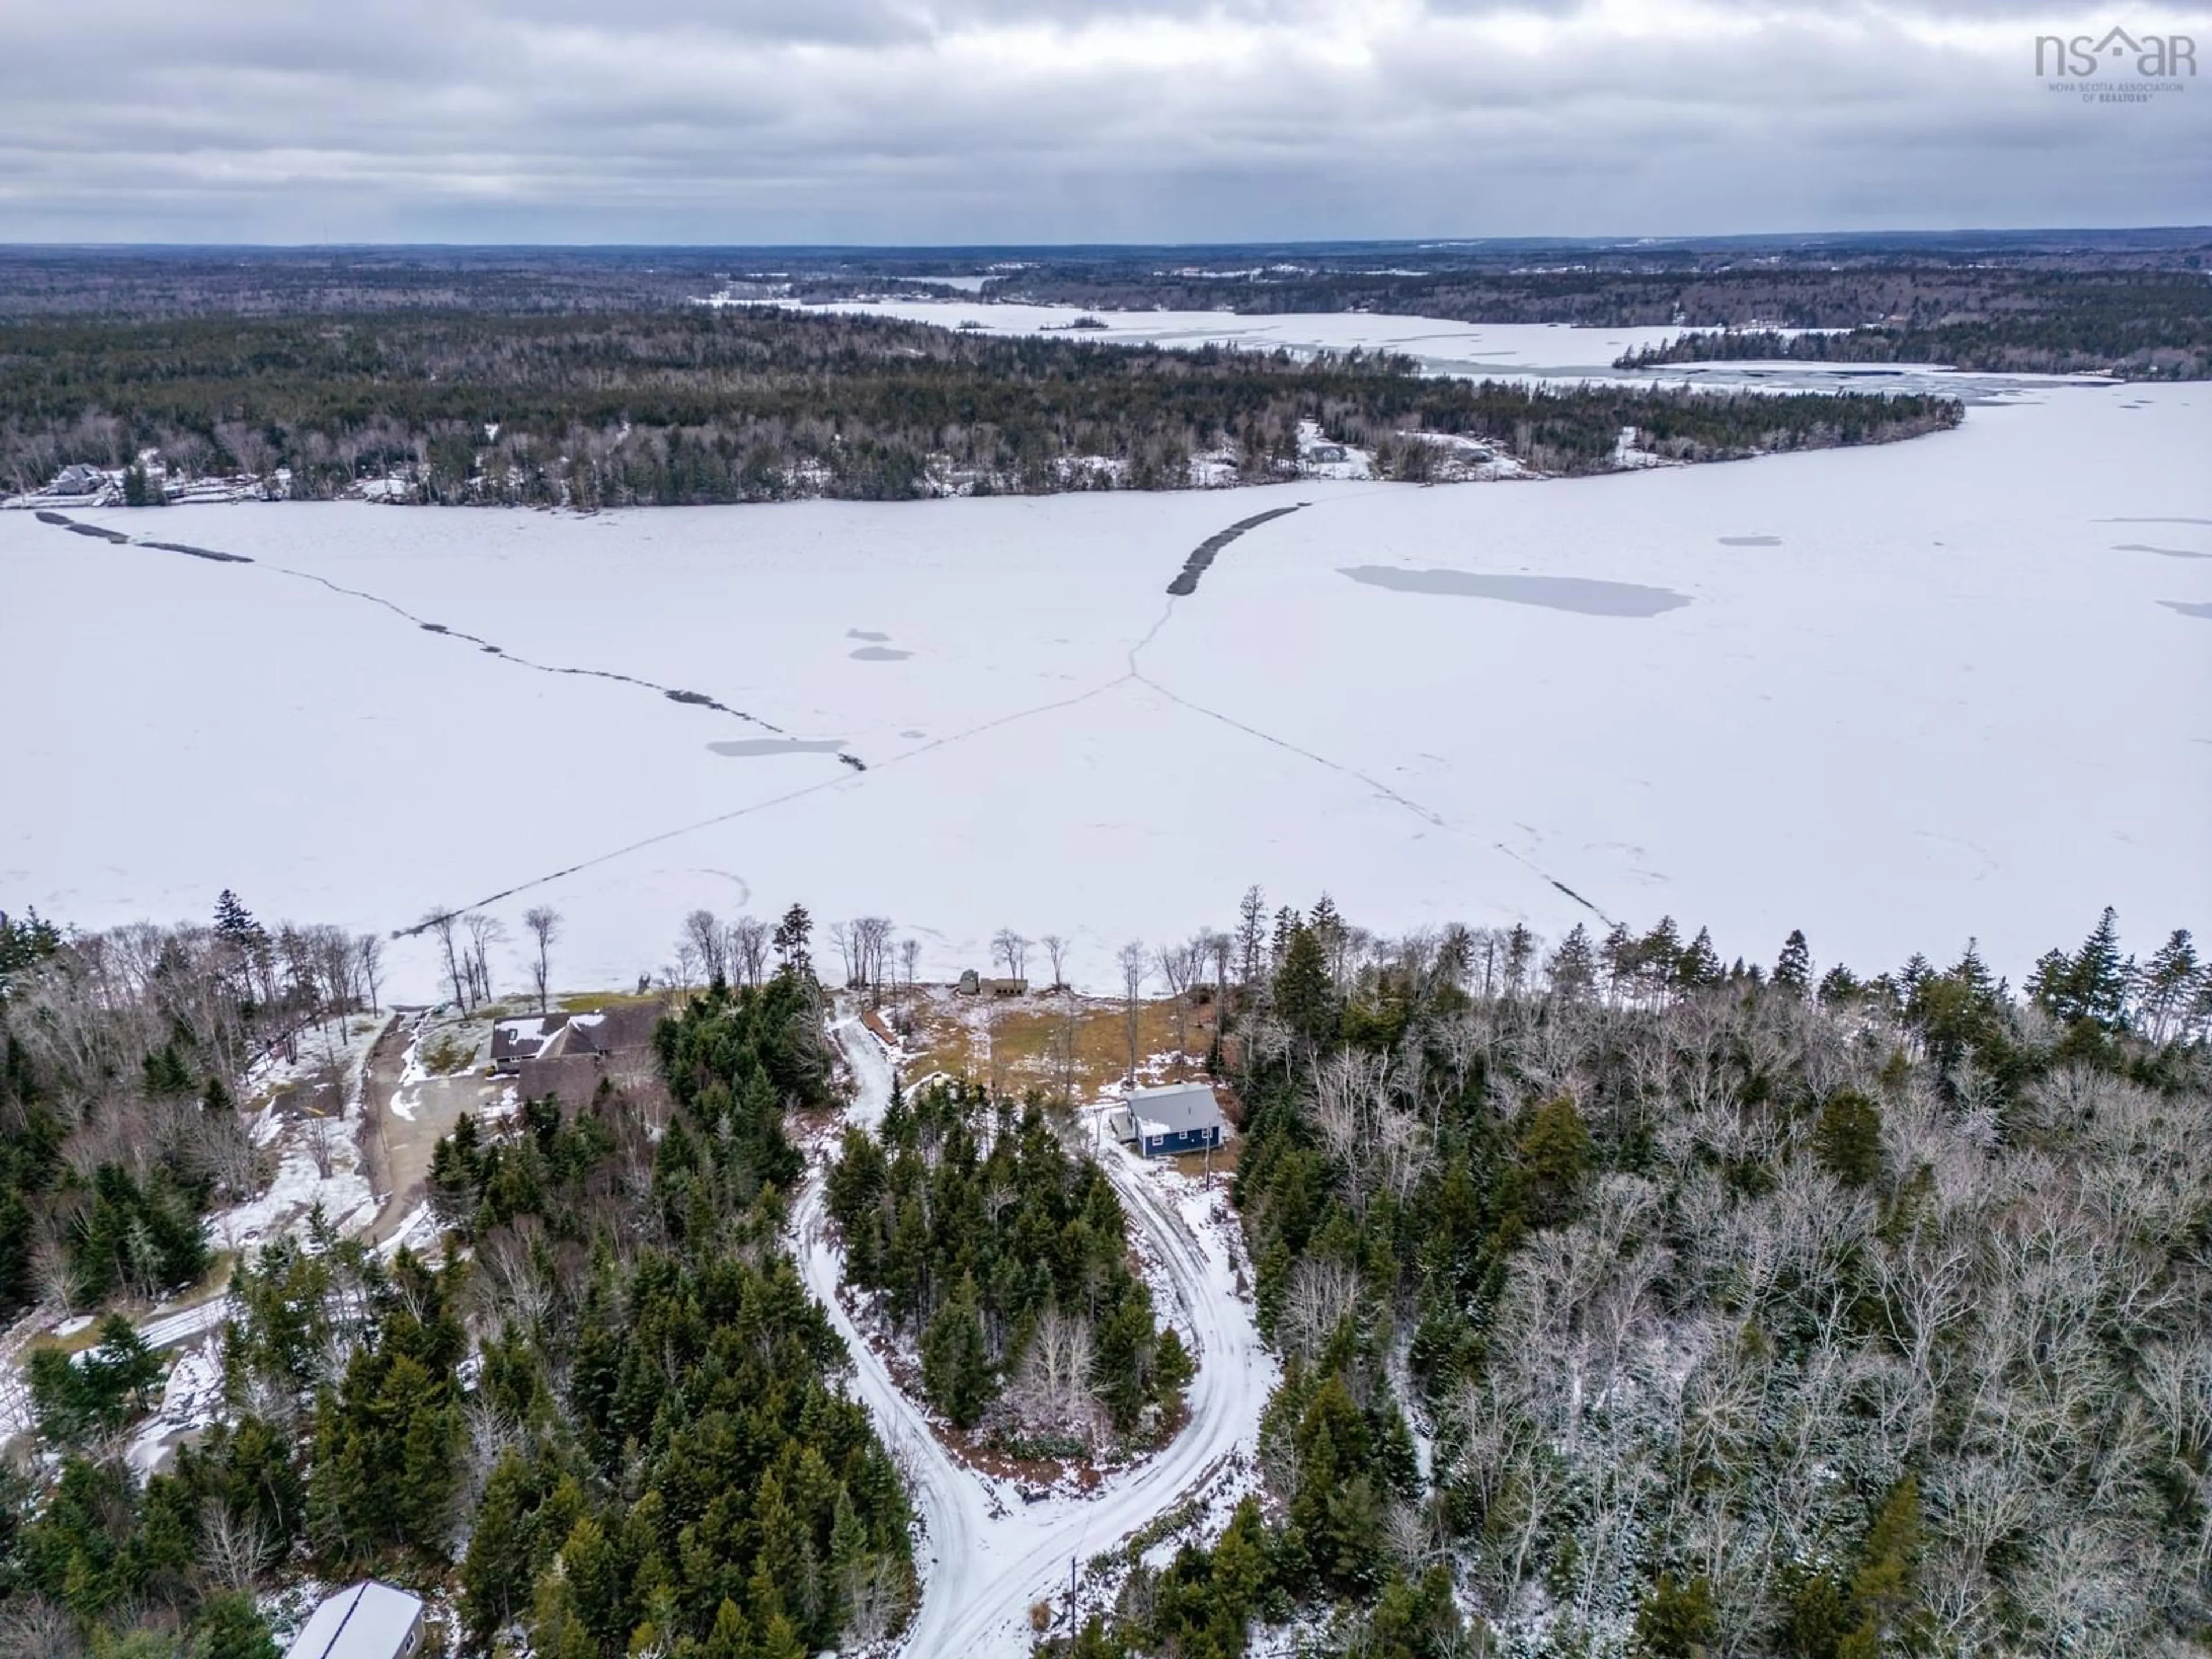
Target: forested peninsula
{"points": [[695, 406]]}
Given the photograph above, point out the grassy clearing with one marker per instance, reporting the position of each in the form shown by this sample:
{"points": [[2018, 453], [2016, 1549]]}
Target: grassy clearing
{"points": [[1060, 1044], [595, 1002], [215, 1283], [445, 1057]]}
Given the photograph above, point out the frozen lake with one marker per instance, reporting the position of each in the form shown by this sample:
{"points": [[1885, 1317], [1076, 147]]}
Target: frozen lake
{"points": [[1895, 696]]}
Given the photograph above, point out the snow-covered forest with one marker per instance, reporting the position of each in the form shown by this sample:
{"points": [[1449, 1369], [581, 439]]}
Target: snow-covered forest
{"points": [[742, 405], [1626, 1300], [1634, 1304]]}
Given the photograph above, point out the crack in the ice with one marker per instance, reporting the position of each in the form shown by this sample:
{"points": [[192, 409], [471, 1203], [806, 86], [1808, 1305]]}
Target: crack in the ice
{"points": [[1384, 790], [930, 747], [674, 694]]}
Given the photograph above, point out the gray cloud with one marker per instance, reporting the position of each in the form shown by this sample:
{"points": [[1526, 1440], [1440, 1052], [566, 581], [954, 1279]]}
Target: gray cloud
{"points": [[959, 120]]}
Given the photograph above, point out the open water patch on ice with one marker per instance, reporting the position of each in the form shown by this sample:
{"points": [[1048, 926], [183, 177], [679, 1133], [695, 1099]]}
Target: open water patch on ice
{"points": [[1186, 581], [1750, 541], [867, 633], [879, 653], [2188, 609], [2203, 521], [2163, 552], [753, 748], [1581, 595]]}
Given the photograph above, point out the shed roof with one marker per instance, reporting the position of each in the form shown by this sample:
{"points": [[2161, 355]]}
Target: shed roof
{"points": [[368, 1620], [1175, 1108]]}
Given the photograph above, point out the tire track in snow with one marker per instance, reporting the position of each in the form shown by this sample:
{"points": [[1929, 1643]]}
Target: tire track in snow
{"points": [[988, 1562]]}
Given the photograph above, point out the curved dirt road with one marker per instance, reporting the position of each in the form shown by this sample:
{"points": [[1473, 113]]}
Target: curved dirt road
{"points": [[987, 1557]]}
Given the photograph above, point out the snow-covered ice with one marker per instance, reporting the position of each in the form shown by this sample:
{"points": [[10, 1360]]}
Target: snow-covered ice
{"points": [[1951, 687], [1497, 349]]}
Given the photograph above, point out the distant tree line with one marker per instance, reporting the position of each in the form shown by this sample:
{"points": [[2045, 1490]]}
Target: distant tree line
{"points": [[701, 406], [2146, 326], [2148, 321]]}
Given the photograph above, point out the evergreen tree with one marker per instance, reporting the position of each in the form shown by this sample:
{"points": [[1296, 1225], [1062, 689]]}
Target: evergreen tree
{"points": [[1618, 955], [2092, 984], [1555, 1153], [1837, 986], [1847, 1137], [1677, 1619], [955, 1364], [1305, 997], [2165, 985], [1573, 968], [1793, 969], [1698, 966], [791, 938], [233, 921], [229, 1626], [1519, 952]]}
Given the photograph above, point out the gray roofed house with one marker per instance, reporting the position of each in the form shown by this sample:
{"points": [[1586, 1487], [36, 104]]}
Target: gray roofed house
{"points": [[532, 1038], [1175, 1117], [79, 480], [566, 1055], [368, 1620]]}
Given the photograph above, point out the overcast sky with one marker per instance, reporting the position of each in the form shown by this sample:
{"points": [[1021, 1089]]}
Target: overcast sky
{"points": [[936, 121]]}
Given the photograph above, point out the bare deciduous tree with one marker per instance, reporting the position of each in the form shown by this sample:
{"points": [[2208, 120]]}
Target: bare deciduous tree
{"points": [[368, 961], [483, 932], [444, 924], [1132, 958], [544, 924], [747, 948], [709, 945]]}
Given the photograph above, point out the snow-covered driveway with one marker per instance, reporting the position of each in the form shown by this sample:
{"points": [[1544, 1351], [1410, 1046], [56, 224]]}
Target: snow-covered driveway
{"points": [[987, 1557]]}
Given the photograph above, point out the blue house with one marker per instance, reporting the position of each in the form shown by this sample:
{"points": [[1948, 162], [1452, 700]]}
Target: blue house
{"points": [[1177, 1117]]}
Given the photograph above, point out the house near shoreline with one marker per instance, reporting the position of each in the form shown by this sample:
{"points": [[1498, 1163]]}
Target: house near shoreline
{"points": [[972, 984], [567, 1054], [1174, 1117], [368, 1620]]}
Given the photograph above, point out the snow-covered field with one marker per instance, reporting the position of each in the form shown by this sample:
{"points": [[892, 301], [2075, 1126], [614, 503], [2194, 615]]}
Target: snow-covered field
{"points": [[1895, 696]]}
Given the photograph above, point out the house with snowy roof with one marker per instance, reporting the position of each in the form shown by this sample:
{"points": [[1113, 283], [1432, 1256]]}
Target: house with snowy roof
{"points": [[624, 1028], [1174, 1117], [368, 1620]]}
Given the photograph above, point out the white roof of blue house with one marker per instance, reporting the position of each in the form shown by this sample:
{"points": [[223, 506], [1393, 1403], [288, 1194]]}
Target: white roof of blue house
{"points": [[368, 1620], [1174, 1108]]}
